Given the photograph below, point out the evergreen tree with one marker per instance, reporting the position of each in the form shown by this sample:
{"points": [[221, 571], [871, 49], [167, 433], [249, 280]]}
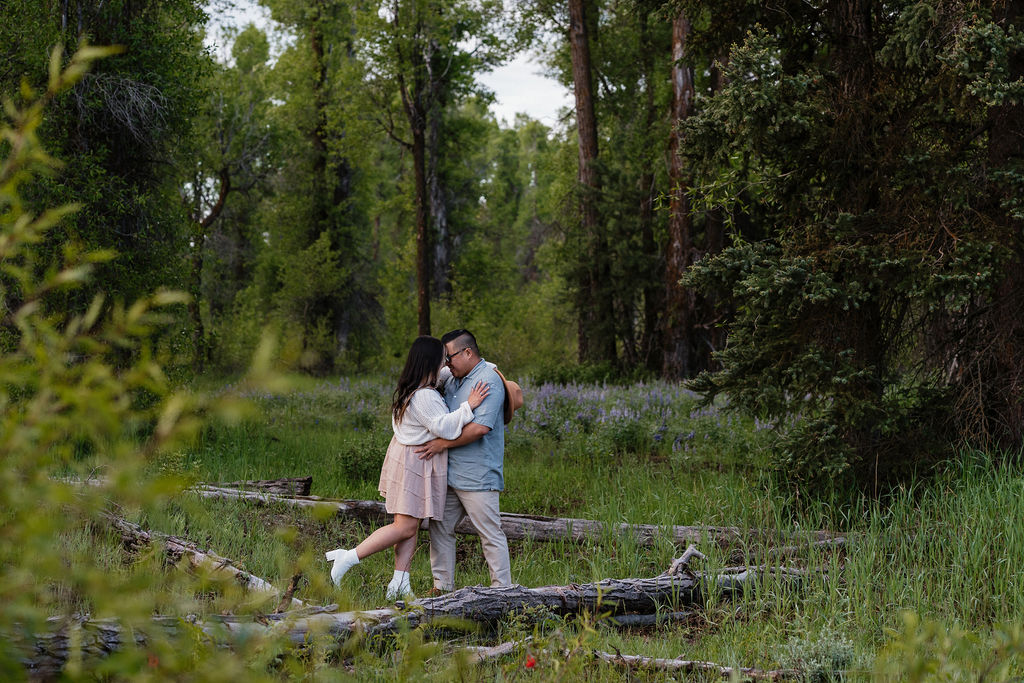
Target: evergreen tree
{"points": [[873, 321], [117, 129]]}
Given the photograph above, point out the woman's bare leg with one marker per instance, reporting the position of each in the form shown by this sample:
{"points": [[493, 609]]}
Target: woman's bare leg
{"points": [[403, 529], [404, 550]]}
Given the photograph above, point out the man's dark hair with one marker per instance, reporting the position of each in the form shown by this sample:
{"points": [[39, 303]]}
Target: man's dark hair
{"points": [[464, 337]]}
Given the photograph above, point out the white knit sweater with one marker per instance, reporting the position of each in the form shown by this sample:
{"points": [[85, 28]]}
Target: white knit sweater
{"points": [[427, 417]]}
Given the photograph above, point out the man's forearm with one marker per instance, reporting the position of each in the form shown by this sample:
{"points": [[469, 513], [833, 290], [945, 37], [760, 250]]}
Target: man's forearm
{"points": [[470, 433]]}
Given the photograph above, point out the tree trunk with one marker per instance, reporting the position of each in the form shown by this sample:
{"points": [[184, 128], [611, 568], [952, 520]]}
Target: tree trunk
{"points": [[416, 105], [200, 349], [711, 334], [422, 232], [435, 183], [852, 56], [596, 332], [678, 362], [854, 153], [1001, 380], [653, 291], [195, 311], [318, 136], [322, 191]]}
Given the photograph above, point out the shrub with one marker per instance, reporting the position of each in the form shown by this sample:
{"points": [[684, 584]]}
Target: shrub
{"points": [[80, 392], [361, 453], [819, 660]]}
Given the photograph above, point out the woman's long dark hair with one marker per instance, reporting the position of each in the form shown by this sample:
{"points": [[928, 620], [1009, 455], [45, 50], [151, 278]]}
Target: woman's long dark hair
{"points": [[420, 370]]}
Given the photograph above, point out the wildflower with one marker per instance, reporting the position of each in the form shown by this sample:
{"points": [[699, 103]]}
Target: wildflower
{"points": [[530, 662]]}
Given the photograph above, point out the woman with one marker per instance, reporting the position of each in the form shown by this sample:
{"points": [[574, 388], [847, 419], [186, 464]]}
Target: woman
{"points": [[413, 489]]}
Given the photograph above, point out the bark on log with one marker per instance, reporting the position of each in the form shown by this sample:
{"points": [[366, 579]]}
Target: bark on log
{"points": [[486, 606], [478, 654], [542, 528], [288, 486], [136, 538]]}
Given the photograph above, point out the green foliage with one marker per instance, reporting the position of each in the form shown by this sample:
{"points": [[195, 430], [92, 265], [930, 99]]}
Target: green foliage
{"points": [[118, 130], [925, 650], [621, 260], [236, 147], [82, 393], [291, 248], [860, 319], [941, 547], [359, 456], [505, 281]]}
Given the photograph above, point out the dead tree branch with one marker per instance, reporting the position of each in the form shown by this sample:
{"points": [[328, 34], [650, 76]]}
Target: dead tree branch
{"points": [[136, 538]]}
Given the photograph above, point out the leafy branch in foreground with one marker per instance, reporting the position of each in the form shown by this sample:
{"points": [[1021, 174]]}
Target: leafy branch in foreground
{"points": [[80, 393]]}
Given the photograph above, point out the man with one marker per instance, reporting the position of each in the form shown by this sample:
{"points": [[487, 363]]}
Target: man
{"points": [[475, 466]]}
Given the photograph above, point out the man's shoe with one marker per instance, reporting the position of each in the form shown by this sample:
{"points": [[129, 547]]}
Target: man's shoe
{"points": [[436, 592]]}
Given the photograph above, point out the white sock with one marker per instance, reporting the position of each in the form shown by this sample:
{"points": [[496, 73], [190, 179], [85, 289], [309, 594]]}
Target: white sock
{"points": [[399, 586], [343, 561]]}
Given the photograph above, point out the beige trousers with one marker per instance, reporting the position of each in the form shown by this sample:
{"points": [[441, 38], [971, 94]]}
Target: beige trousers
{"points": [[482, 509]]}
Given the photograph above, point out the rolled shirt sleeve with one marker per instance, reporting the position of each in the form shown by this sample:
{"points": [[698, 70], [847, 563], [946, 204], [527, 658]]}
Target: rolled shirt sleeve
{"points": [[492, 410]]}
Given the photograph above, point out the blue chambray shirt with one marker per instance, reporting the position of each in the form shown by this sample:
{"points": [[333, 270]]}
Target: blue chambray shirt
{"points": [[479, 466]]}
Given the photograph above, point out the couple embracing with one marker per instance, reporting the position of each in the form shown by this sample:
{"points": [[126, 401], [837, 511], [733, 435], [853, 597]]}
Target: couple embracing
{"points": [[445, 459]]}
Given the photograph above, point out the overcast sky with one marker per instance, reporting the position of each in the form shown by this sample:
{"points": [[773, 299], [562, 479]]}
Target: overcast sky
{"points": [[518, 87]]}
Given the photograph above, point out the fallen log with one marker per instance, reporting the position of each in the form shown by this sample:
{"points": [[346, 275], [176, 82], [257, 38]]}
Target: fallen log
{"points": [[489, 606], [686, 665], [482, 605], [136, 538], [536, 527], [287, 486], [479, 655]]}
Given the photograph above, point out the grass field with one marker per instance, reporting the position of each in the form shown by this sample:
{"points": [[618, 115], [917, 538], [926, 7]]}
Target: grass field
{"points": [[930, 587]]}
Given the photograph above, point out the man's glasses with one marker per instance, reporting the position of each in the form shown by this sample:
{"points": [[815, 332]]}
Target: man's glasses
{"points": [[448, 356]]}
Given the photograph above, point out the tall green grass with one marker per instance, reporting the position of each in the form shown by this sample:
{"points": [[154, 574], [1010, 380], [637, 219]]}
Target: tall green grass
{"points": [[948, 548]]}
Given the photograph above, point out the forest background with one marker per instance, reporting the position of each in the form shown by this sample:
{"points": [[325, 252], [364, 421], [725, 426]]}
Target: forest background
{"points": [[814, 209], [810, 211]]}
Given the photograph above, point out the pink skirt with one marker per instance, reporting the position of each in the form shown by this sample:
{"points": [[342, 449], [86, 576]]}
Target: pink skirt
{"points": [[411, 486]]}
